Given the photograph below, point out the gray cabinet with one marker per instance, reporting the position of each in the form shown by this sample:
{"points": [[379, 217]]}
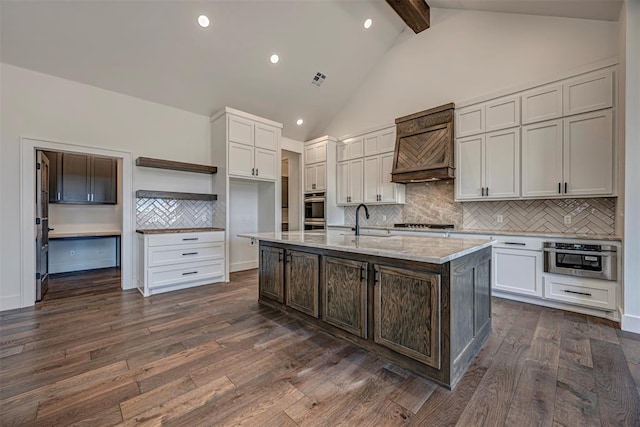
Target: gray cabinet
{"points": [[302, 280], [345, 295], [271, 281], [55, 176], [407, 313], [83, 179], [103, 180]]}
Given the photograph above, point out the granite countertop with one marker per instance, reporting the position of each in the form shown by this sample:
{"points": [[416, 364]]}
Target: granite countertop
{"points": [[435, 250], [176, 230], [549, 234], [63, 235]]}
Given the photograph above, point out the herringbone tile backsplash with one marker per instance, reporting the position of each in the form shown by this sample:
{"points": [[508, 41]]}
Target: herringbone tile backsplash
{"points": [[171, 213]]}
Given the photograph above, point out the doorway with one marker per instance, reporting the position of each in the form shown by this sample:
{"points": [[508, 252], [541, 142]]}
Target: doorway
{"points": [[120, 210], [291, 191]]}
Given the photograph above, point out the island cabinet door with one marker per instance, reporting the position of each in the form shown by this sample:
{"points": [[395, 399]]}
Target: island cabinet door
{"points": [[302, 281], [344, 302], [407, 313], [271, 277]]}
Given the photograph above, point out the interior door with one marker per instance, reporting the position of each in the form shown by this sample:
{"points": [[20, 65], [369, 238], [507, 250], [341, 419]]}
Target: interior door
{"points": [[42, 224]]}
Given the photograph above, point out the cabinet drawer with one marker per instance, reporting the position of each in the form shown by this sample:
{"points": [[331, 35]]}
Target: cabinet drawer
{"points": [[189, 272], [167, 255], [515, 242], [185, 238], [591, 293]]}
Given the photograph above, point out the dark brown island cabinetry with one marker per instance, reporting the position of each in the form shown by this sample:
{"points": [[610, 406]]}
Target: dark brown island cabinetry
{"points": [[82, 179], [429, 318]]}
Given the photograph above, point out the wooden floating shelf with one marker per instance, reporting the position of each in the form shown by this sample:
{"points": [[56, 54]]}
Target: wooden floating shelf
{"points": [[148, 162], [151, 194]]}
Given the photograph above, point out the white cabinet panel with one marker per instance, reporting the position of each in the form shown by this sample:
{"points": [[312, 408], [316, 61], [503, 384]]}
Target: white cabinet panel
{"points": [[356, 174], [184, 238], [371, 143], [240, 130], [389, 191], [166, 255], [590, 92], [371, 179], [502, 164], [240, 159], [314, 153], [342, 151], [591, 293], [309, 177], [470, 120], [503, 113], [266, 164], [321, 176], [588, 154], [387, 140], [543, 103], [469, 167], [351, 149], [517, 271], [266, 137], [542, 159], [343, 182]]}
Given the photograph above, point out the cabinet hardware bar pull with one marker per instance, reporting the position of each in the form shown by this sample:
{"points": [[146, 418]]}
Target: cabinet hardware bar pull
{"points": [[482, 191], [257, 172], [559, 188], [189, 253], [190, 272], [279, 256], [361, 273], [515, 243], [575, 292], [58, 198], [253, 171], [565, 187], [376, 277], [487, 192], [190, 238]]}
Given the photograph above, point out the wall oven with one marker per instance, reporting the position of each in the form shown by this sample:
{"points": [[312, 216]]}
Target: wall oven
{"points": [[581, 259], [314, 211]]}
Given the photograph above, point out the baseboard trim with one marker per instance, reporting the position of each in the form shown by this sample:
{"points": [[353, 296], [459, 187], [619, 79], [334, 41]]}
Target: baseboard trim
{"points": [[10, 302], [241, 266], [631, 323]]}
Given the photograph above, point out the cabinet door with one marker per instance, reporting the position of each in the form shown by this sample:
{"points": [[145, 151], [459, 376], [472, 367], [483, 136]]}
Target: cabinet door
{"points": [[240, 130], [371, 145], [469, 181], [342, 151], [517, 271], [356, 148], [407, 313], [76, 178], [240, 160], [309, 178], [543, 103], [356, 185], [266, 164], [309, 154], [470, 121], [503, 113], [104, 180], [542, 159], [343, 182], [321, 176], [320, 150], [271, 279], [388, 190], [371, 179], [590, 92], [345, 295], [55, 176], [502, 164], [302, 282], [387, 140], [588, 154], [266, 137]]}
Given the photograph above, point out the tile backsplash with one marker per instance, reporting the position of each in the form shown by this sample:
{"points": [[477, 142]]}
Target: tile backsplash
{"points": [[172, 213]]}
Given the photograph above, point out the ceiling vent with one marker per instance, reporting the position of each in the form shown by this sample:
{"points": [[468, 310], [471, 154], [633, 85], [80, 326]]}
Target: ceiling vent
{"points": [[318, 79]]}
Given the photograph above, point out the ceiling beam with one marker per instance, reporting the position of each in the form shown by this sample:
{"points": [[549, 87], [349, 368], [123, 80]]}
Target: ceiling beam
{"points": [[415, 13]]}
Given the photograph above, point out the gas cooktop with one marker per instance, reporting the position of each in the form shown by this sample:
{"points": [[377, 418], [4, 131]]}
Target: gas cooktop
{"points": [[432, 226]]}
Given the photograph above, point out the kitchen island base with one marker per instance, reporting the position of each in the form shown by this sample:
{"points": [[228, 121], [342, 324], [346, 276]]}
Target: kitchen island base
{"points": [[429, 318]]}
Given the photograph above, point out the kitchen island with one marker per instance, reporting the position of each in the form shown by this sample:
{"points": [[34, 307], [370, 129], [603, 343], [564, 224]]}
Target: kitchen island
{"points": [[421, 302]]}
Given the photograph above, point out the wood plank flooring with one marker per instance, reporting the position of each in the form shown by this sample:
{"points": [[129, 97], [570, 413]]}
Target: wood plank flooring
{"points": [[90, 354]]}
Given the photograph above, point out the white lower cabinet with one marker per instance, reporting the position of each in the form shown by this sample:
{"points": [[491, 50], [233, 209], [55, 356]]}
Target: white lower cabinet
{"points": [[172, 261], [517, 271], [579, 291]]}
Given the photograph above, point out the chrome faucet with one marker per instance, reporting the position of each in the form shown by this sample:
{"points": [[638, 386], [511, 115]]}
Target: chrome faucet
{"points": [[366, 212]]}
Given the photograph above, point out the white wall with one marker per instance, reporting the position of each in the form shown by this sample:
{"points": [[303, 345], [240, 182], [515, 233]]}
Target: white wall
{"points": [[467, 54], [49, 108]]}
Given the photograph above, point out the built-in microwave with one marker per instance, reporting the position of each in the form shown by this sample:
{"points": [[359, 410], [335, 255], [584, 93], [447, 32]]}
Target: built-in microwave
{"points": [[314, 211]]}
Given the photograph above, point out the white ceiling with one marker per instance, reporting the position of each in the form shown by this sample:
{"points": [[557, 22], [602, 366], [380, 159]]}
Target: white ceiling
{"points": [[154, 50]]}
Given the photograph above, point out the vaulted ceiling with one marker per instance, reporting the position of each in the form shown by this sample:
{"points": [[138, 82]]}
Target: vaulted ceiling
{"points": [[155, 50]]}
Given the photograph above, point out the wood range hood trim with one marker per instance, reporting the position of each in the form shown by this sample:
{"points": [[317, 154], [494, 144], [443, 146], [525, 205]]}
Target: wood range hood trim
{"points": [[415, 13], [433, 127]]}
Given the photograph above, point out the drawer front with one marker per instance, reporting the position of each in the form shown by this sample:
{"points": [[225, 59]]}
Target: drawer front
{"points": [[167, 255], [180, 273], [590, 293], [185, 238], [515, 242]]}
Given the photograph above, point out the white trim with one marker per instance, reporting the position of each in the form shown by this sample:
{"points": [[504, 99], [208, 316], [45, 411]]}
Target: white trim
{"points": [[28, 147], [322, 138], [630, 323], [366, 131], [244, 265], [228, 110]]}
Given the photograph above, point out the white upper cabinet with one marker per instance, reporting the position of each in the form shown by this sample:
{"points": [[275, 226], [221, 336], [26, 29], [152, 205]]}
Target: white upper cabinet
{"points": [[266, 164], [315, 177], [542, 103], [469, 168], [371, 145], [351, 182], [588, 154], [253, 148], [470, 120], [266, 137], [383, 141], [343, 183], [240, 160], [390, 192], [371, 179], [240, 130], [503, 113], [590, 92], [352, 148], [542, 159], [316, 152]]}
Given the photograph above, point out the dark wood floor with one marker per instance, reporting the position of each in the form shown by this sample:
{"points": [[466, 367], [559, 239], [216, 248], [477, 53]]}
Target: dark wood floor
{"points": [[91, 354]]}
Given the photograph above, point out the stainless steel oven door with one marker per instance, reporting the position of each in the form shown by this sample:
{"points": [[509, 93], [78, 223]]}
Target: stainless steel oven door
{"points": [[597, 265]]}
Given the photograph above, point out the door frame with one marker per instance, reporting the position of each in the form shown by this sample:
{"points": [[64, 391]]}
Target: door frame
{"points": [[28, 147]]}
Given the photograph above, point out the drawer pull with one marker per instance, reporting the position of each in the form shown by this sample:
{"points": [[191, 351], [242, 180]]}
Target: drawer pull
{"points": [[190, 238], [576, 292], [189, 253], [515, 243], [190, 272]]}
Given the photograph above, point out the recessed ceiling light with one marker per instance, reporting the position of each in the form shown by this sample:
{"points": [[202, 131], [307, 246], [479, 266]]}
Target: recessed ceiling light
{"points": [[203, 21], [299, 122], [274, 59], [367, 23]]}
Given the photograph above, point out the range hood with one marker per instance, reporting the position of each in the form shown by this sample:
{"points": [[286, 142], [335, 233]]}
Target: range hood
{"points": [[424, 146]]}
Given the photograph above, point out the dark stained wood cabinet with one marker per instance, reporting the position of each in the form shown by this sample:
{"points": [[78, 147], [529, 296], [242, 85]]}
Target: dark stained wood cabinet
{"points": [[345, 295], [302, 281], [271, 282], [407, 313], [55, 176], [104, 180], [83, 179], [76, 178]]}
